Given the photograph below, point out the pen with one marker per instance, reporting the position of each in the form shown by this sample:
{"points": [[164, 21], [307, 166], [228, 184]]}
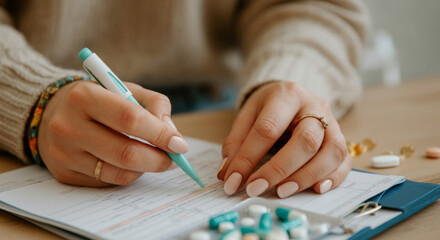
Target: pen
{"points": [[108, 80]]}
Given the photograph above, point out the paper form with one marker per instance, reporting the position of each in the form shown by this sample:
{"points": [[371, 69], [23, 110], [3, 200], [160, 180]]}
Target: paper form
{"points": [[158, 205]]}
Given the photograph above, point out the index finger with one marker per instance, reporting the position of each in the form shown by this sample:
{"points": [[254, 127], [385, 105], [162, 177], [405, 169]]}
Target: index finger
{"points": [[125, 116]]}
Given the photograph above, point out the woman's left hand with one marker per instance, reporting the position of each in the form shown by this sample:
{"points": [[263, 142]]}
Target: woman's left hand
{"points": [[311, 156]]}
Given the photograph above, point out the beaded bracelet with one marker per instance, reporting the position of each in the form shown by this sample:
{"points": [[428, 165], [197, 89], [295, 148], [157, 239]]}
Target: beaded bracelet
{"points": [[36, 118]]}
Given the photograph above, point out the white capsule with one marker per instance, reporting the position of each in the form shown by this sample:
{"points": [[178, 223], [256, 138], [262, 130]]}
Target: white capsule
{"points": [[257, 210], [200, 235], [319, 229], [299, 233], [277, 234], [247, 222], [234, 235], [225, 227], [297, 214], [385, 161]]}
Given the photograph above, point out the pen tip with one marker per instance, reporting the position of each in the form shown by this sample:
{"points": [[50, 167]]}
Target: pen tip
{"points": [[200, 183]]}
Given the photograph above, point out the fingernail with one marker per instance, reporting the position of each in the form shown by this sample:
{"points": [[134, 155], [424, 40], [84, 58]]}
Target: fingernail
{"points": [[178, 145], [257, 187], [325, 186], [232, 184], [222, 164], [287, 189], [169, 121]]}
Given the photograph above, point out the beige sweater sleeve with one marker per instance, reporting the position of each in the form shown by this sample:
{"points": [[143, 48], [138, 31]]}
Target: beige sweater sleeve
{"points": [[314, 43], [24, 74]]}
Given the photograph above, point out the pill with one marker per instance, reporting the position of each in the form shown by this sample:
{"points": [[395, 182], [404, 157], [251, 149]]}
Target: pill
{"points": [[287, 225], [433, 152], [231, 235], [199, 235], [299, 233], [246, 230], [251, 236], [286, 214], [225, 227], [265, 222], [247, 222], [385, 161], [277, 234], [318, 230], [257, 210], [225, 217]]}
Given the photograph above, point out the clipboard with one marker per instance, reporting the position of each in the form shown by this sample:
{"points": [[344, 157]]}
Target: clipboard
{"points": [[408, 197]]}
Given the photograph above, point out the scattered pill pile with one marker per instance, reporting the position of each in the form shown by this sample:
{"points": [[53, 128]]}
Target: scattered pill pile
{"points": [[259, 222]]}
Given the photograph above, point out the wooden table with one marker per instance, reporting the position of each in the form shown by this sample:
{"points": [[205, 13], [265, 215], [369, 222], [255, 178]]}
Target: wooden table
{"points": [[391, 116]]}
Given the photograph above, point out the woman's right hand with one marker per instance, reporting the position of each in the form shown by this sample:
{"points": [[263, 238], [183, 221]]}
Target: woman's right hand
{"points": [[83, 123]]}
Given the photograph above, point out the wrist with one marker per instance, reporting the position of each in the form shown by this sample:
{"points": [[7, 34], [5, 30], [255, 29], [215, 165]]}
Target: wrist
{"points": [[37, 113]]}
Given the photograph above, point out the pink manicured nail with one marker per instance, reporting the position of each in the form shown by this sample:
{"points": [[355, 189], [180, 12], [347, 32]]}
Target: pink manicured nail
{"points": [[178, 145], [257, 187], [169, 121], [232, 184], [325, 186], [287, 189], [222, 164]]}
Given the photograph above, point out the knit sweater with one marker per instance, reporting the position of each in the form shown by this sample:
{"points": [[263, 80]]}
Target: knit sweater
{"points": [[314, 43]]}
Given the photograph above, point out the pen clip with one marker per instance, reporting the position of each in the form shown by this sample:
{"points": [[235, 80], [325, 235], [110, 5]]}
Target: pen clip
{"points": [[366, 208]]}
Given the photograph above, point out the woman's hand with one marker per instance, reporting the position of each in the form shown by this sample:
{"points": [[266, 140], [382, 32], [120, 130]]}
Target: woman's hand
{"points": [[311, 156], [83, 123]]}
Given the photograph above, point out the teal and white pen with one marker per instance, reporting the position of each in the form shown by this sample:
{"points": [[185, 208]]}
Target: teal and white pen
{"points": [[108, 80]]}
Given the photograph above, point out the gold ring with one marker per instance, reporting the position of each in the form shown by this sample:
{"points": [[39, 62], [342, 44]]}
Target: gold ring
{"points": [[320, 118], [98, 169]]}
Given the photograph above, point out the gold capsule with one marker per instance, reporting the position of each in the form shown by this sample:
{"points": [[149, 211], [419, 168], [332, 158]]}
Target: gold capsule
{"points": [[360, 149], [369, 143], [406, 151]]}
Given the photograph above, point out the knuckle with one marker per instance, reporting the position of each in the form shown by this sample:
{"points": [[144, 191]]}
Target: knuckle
{"points": [[311, 141], [161, 137], [131, 118], [57, 126], [292, 87], [77, 94], [339, 150], [124, 177], [160, 99], [227, 146], [127, 156], [279, 172], [246, 163], [268, 129]]}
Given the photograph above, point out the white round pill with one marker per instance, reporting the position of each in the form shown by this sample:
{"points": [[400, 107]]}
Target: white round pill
{"points": [[299, 233], [277, 234], [247, 222], [257, 210], [319, 229], [225, 227], [200, 235], [385, 161]]}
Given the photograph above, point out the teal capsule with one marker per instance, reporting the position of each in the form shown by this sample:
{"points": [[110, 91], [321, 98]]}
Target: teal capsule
{"points": [[285, 214], [247, 229], [265, 222], [291, 224], [225, 217], [282, 213]]}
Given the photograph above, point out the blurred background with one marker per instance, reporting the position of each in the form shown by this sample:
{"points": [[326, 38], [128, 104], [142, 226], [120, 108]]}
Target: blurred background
{"points": [[404, 42], [402, 46]]}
